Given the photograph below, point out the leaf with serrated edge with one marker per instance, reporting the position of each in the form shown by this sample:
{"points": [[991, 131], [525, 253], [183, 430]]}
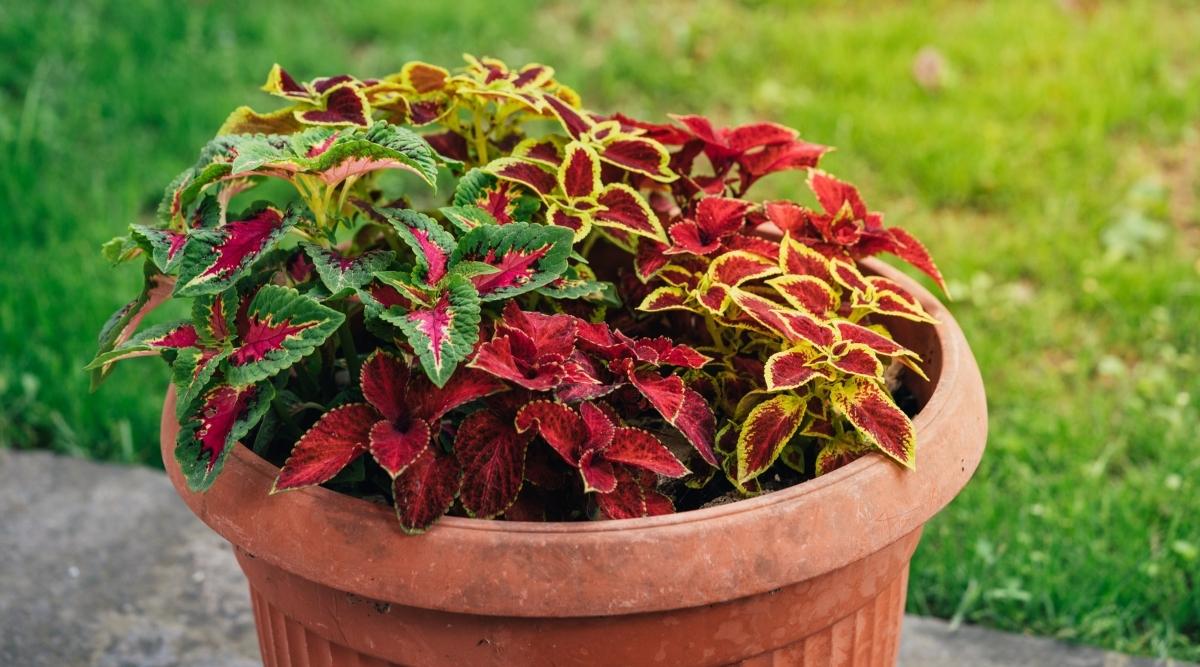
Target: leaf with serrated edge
{"points": [[789, 369], [768, 428], [526, 256], [425, 491], [338, 437], [492, 455], [443, 333], [623, 208], [212, 426], [875, 415], [213, 259], [342, 275], [682, 407], [282, 326]]}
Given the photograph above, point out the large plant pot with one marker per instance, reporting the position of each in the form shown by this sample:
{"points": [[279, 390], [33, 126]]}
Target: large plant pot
{"points": [[811, 575]]}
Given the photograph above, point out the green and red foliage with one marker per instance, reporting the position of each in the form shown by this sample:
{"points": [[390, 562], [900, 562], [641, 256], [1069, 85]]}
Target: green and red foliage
{"points": [[590, 325]]}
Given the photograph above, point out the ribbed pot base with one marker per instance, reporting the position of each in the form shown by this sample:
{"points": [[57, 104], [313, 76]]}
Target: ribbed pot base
{"points": [[322, 624]]}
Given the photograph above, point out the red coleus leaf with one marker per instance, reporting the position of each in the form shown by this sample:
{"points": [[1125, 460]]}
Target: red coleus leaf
{"points": [[573, 120], [591, 441], [338, 437], [560, 426], [650, 258], [623, 208], [789, 217], [834, 195], [640, 449], [396, 444], [492, 455], [857, 360], [737, 267], [873, 412], [342, 105], [279, 82], [715, 219], [798, 259], [634, 496], [426, 490], [807, 293], [795, 154], [530, 174], [682, 407], [768, 428], [876, 342], [211, 426], [579, 173], [667, 297], [908, 248], [214, 258], [837, 453], [791, 369], [533, 350], [640, 155]]}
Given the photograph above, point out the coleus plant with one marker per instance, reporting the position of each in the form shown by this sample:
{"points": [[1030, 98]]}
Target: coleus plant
{"points": [[589, 321]]}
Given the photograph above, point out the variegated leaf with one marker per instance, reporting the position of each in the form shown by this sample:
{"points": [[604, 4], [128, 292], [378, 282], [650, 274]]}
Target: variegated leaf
{"points": [[768, 428], [873, 412], [213, 259], [343, 275], [443, 333], [212, 425], [492, 455], [526, 256], [281, 327]]}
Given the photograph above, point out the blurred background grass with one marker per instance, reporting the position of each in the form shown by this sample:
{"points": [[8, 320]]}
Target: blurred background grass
{"points": [[1048, 153]]}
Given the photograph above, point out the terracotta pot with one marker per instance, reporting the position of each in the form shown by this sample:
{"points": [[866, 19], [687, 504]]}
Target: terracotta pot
{"points": [[811, 575]]}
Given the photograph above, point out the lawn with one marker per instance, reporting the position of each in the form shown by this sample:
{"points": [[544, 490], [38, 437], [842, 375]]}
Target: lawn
{"points": [[1054, 172]]}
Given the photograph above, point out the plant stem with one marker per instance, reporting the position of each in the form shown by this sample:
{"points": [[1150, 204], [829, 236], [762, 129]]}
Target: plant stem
{"points": [[289, 422], [346, 340]]}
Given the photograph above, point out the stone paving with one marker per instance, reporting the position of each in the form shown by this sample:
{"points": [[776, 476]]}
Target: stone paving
{"points": [[103, 566]]}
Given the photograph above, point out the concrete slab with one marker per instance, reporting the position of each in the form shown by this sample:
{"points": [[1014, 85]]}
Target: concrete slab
{"points": [[103, 566]]}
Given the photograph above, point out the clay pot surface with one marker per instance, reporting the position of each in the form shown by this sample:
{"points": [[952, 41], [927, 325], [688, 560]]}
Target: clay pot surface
{"points": [[811, 574]]}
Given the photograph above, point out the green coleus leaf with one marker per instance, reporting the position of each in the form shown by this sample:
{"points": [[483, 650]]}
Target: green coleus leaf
{"points": [[121, 325], [211, 426], [579, 282], [120, 249], [213, 259], [337, 154], [429, 241], [214, 164], [443, 333], [526, 256], [171, 336], [343, 275], [466, 218], [192, 372], [280, 327], [503, 201]]}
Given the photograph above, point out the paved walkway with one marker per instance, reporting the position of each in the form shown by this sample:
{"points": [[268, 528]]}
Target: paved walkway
{"points": [[103, 566]]}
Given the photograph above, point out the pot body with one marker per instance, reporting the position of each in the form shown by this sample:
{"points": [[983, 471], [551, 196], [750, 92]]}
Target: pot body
{"points": [[810, 575], [848, 617]]}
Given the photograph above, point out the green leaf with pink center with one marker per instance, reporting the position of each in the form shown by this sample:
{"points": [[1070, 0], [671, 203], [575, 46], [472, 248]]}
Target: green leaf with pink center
{"points": [[525, 256], [213, 259], [342, 275], [280, 327], [444, 332], [212, 425]]}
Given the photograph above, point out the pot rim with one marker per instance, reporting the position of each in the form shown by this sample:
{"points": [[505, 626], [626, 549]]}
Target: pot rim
{"points": [[238, 502]]}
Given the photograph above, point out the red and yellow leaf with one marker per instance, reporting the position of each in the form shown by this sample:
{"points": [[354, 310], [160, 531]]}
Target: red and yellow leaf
{"points": [[623, 208], [579, 173], [790, 369], [767, 429], [873, 412]]}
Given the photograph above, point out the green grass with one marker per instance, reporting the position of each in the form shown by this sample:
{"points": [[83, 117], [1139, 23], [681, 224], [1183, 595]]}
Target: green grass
{"points": [[1055, 176]]}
